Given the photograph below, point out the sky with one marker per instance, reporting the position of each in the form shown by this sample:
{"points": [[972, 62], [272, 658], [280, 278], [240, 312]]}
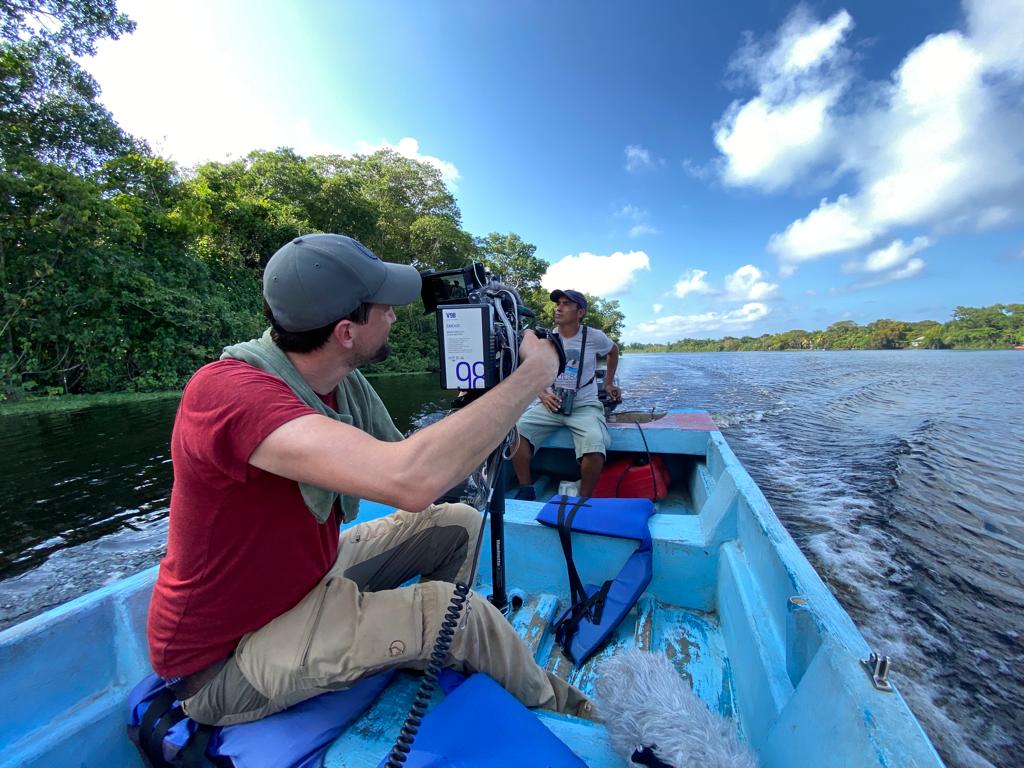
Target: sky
{"points": [[719, 169]]}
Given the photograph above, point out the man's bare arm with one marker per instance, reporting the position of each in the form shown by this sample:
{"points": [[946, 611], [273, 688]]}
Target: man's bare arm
{"points": [[611, 366], [411, 473]]}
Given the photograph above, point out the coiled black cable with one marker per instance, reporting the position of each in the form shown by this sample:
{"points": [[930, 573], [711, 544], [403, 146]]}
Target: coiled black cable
{"points": [[445, 635], [438, 656]]}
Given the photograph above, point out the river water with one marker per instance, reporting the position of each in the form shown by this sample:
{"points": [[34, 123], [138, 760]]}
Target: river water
{"points": [[899, 474]]}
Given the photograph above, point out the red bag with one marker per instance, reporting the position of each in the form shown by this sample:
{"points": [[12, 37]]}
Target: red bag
{"points": [[633, 477]]}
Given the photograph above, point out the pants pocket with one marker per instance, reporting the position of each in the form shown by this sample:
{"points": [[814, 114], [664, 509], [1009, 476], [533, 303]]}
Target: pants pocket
{"points": [[314, 624], [352, 639]]}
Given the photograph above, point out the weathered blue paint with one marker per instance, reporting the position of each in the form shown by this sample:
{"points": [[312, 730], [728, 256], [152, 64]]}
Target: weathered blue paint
{"points": [[733, 603], [65, 676]]}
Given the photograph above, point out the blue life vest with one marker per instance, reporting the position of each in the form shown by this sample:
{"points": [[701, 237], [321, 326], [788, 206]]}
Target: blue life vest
{"points": [[482, 724], [294, 738], [596, 610]]}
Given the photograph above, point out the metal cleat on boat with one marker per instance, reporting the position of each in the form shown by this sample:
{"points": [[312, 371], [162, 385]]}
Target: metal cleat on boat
{"points": [[878, 670]]}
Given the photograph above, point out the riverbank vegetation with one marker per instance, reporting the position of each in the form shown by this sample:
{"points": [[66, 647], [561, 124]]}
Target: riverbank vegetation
{"points": [[1000, 326], [32, 405], [121, 271]]}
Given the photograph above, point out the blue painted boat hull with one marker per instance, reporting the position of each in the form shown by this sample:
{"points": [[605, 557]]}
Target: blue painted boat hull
{"points": [[733, 603]]}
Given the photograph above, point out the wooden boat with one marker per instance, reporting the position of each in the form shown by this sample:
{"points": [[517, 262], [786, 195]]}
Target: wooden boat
{"points": [[733, 603]]}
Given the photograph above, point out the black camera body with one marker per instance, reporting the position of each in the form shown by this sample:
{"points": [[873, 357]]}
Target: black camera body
{"points": [[566, 397], [454, 286], [478, 326]]}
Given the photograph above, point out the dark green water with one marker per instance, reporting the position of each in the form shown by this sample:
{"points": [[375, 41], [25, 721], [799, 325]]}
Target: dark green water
{"points": [[84, 494]]}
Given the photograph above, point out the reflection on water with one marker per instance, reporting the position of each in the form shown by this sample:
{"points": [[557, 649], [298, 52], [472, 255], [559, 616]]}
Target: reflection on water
{"points": [[413, 401], [898, 474], [68, 478]]}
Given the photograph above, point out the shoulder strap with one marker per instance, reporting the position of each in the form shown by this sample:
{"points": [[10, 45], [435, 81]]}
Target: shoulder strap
{"points": [[576, 591], [583, 349], [583, 606]]}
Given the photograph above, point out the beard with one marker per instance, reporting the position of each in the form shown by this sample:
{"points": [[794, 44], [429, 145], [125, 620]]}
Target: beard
{"points": [[383, 353]]}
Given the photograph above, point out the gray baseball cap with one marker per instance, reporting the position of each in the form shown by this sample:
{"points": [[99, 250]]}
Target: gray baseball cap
{"points": [[316, 279]]}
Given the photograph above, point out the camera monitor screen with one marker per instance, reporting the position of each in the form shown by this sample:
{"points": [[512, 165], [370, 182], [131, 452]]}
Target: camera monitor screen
{"points": [[450, 288], [456, 286]]}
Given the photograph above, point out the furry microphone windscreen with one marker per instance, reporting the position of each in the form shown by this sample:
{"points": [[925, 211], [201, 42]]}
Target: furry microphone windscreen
{"points": [[650, 712]]}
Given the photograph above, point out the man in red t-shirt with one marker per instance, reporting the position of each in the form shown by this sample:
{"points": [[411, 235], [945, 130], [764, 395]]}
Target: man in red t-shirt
{"points": [[260, 603]]}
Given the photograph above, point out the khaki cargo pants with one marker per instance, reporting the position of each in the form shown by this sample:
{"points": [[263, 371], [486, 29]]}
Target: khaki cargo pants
{"points": [[357, 621]]}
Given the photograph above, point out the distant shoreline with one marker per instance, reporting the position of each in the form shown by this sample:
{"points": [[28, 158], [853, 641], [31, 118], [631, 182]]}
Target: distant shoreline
{"points": [[69, 403], [629, 351]]}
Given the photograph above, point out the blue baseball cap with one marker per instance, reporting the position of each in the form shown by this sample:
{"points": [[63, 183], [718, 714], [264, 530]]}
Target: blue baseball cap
{"points": [[317, 279], [574, 296]]}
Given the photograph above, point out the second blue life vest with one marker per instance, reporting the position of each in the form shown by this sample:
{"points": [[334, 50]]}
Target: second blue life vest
{"points": [[482, 724], [294, 738], [596, 610]]}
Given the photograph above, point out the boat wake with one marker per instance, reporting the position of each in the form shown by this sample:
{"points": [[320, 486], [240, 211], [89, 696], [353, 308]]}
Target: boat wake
{"points": [[899, 478], [69, 572]]}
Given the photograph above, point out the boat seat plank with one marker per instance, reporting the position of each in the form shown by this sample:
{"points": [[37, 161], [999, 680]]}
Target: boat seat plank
{"points": [[683, 433]]}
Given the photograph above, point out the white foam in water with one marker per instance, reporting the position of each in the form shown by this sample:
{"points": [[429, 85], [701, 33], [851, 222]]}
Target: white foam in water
{"points": [[73, 571], [855, 561]]}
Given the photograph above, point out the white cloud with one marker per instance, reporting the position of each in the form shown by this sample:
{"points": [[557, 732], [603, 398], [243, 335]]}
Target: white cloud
{"points": [[996, 26], [410, 148], [745, 284], [642, 229], [598, 275], [656, 308], [896, 261], [829, 228], [911, 268], [676, 327], [632, 212], [808, 47], [995, 216], [637, 158], [890, 257], [771, 140], [702, 171], [639, 216], [691, 281], [769, 146], [939, 146]]}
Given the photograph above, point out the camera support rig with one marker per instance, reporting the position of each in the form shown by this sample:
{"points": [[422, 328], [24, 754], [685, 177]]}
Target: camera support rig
{"points": [[479, 327]]}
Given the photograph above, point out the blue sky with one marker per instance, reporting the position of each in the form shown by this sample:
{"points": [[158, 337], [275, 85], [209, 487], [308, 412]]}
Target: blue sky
{"points": [[740, 169]]}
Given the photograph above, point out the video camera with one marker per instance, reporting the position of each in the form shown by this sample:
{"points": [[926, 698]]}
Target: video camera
{"points": [[479, 326]]}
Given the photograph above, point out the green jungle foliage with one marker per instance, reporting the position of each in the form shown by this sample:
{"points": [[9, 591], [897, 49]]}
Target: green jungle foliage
{"points": [[1000, 326], [120, 271]]}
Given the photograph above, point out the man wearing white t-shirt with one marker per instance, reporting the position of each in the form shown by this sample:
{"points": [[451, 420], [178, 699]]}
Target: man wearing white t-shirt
{"points": [[571, 401]]}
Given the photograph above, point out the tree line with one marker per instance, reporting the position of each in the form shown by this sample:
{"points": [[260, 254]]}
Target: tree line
{"points": [[1000, 326], [120, 271]]}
